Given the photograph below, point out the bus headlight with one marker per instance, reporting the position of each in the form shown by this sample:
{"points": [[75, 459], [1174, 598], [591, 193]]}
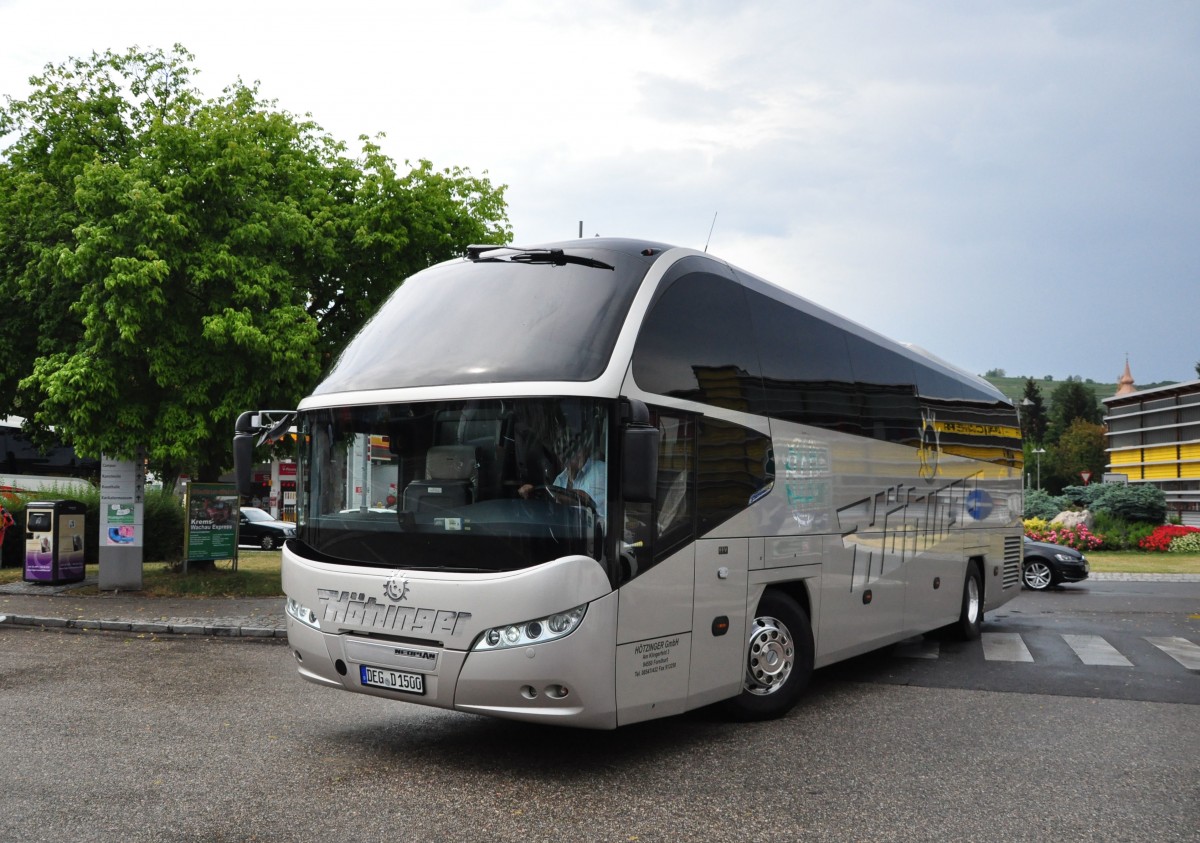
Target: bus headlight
{"points": [[536, 631], [303, 614]]}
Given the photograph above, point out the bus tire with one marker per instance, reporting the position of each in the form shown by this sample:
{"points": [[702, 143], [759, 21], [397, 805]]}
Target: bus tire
{"points": [[970, 617], [778, 659]]}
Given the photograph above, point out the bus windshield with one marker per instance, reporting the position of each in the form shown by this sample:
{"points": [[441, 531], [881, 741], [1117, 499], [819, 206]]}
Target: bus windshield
{"points": [[493, 485]]}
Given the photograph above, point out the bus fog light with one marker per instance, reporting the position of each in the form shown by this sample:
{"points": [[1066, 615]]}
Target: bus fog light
{"points": [[536, 631]]}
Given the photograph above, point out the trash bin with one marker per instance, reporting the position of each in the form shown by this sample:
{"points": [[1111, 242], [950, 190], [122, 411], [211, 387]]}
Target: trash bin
{"points": [[54, 541]]}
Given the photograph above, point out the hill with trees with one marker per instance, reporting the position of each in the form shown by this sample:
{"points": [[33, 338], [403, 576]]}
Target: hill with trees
{"points": [[1014, 387], [1062, 424]]}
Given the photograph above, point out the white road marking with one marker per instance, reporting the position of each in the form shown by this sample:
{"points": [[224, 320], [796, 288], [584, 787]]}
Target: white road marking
{"points": [[1005, 647], [1092, 649], [1180, 649]]}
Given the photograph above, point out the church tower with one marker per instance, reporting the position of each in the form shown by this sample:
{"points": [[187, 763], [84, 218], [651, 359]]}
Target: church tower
{"points": [[1125, 382]]}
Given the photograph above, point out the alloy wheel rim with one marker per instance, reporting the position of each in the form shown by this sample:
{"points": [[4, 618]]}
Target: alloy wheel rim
{"points": [[1037, 575], [770, 656]]}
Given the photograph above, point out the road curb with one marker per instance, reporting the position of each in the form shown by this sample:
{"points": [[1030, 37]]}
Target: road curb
{"points": [[156, 628]]}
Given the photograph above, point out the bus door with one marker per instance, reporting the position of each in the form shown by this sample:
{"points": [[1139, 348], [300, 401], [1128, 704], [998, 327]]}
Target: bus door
{"points": [[656, 581], [654, 639]]}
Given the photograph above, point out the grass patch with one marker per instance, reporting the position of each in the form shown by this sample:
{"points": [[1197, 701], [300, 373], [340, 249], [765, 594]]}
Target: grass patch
{"points": [[257, 576], [1138, 562]]}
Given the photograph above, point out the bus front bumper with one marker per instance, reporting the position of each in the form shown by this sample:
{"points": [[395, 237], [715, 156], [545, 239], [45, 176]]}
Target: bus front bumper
{"points": [[569, 681]]}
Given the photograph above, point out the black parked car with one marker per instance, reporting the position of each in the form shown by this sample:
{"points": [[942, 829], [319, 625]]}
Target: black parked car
{"points": [[258, 528], [1050, 564]]}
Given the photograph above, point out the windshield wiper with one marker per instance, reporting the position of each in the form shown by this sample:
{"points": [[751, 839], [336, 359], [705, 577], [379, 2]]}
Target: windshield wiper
{"points": [[514, 254]]}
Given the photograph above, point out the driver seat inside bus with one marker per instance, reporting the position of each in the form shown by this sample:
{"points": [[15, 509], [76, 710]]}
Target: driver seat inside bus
{"points": [[450, 472]]}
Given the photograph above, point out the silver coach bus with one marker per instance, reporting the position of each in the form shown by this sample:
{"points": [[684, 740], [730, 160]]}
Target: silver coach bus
{"points": [[603, 481]]}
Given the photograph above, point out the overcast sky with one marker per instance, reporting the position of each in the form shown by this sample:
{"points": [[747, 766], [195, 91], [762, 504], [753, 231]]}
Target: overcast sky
{"points": [[1010, 185]]}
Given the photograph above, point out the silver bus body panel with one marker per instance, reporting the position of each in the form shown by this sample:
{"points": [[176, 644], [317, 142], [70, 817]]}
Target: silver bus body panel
{"points": [[652, 678], [570, 679], [858, 517]]}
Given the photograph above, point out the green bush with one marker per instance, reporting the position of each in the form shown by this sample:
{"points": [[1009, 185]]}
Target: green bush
{"points": [[1133, 503], [1120, 534], [164, 527], [1040, 504], [1079, 497], [1186, 544]]}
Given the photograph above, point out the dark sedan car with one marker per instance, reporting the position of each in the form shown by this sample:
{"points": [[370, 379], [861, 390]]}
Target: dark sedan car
{"points": [[1048, 564], [258, 528]]}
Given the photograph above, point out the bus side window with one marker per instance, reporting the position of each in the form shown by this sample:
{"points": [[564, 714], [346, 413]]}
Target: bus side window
{"points": [[655, 531]]}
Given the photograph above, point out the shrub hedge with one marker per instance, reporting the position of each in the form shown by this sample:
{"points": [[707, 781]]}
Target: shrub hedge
{"points": [[163, 525]]}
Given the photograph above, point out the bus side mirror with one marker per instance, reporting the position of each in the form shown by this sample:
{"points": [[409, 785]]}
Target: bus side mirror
{"points": [[267, 426], [639, 464], [639, 456]]}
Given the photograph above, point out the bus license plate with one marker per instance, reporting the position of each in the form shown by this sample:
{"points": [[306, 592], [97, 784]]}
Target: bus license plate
{"points": [[392, 680]]}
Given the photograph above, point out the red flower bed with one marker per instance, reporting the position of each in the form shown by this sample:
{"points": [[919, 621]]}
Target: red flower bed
{"points": [[1080, 538], [1160, 539]]}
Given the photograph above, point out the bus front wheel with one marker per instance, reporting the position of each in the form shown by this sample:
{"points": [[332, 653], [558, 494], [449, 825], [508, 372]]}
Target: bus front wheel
{"points": [[778, 660]]}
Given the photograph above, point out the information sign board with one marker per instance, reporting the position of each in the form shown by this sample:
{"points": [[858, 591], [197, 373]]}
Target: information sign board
{"points": [[210, 531]]}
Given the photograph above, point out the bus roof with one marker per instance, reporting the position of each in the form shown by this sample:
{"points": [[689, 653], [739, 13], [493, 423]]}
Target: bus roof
{"points": [[545, 313]]}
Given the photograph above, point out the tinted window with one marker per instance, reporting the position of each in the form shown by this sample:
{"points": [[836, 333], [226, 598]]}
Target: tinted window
{"points": [[805, 367], [653, 531], [735, 466], [888, 384], [708, 472], [478, 485], [493, 322], [989, 432], [697, 343]]}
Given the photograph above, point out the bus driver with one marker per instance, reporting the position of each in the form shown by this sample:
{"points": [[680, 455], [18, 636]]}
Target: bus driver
{"points": [[584, 478]]}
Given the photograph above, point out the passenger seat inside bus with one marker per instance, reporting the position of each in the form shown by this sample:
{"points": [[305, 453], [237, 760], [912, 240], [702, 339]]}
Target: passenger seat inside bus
{"points": [[450, 472]]}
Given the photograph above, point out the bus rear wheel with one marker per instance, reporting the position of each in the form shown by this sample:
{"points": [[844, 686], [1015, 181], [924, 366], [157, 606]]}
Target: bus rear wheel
{"points": [[779, 659]]}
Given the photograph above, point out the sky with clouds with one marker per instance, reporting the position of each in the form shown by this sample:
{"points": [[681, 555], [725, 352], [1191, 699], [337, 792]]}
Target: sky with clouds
{"points": [[1010, 185]]}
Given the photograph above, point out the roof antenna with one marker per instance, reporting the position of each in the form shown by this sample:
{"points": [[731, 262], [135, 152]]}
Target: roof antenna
{"points": [[710, 231]]}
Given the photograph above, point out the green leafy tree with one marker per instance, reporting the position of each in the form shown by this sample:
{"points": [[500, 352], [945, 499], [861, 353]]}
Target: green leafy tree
{"points": [[1081, 447], [1071, 400], [170, 261], [1033, 413]]}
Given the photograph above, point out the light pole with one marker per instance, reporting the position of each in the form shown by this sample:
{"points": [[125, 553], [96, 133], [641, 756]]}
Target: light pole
{"points": [[1039, 452]]}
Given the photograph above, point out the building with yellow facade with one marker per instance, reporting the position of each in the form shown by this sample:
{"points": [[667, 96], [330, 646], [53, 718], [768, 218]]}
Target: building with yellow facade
{"points": [[1154, 437]]}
